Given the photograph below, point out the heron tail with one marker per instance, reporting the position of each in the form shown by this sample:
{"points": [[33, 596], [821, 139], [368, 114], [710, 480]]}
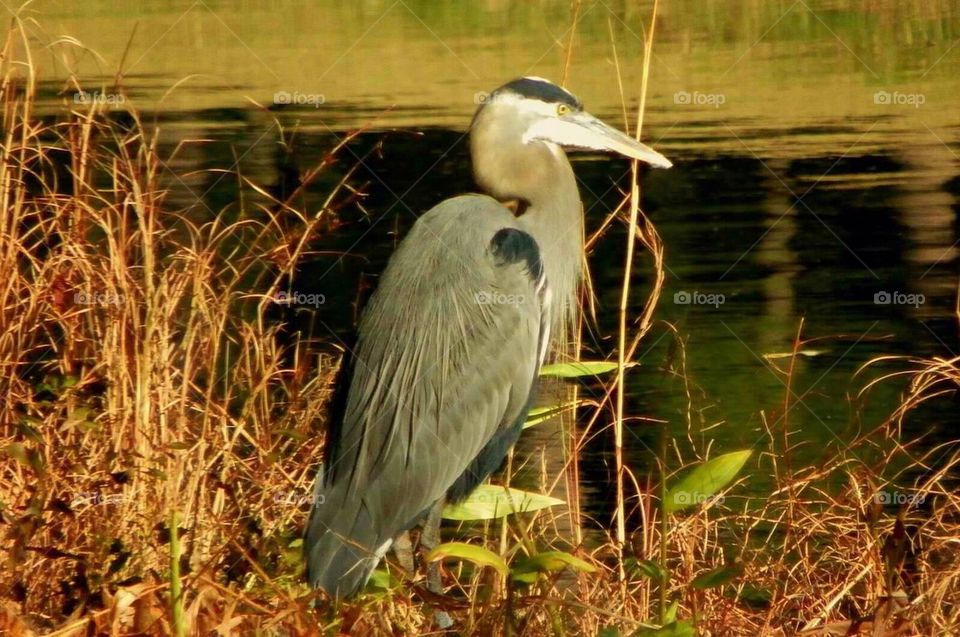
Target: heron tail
{"points": [[341, 553]]}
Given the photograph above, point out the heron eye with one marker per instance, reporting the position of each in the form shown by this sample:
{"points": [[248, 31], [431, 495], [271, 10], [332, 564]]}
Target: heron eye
{"points": [[562, 109]]}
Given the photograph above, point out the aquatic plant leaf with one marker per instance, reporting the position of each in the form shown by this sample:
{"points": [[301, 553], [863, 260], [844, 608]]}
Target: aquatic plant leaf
{"points": [[381, 580], [705, 480], [673, 629], [469, 552], [753, 596], [717, 577], [649, 569], [526, 569], [809, 353], [671, 615], [577, 369], [538, 415], [489, 502]]}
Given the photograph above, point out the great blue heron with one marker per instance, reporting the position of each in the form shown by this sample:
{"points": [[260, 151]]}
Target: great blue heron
{"points": [[452, 340]]}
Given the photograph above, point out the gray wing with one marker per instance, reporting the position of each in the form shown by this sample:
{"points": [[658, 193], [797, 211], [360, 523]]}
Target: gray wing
{"points": [[446, 362]]}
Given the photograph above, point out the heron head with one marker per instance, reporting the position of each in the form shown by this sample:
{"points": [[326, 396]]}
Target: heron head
{"points": [[533, 110]]}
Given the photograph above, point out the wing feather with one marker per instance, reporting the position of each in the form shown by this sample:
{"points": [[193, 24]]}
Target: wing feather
{"points": [[439, 376]]}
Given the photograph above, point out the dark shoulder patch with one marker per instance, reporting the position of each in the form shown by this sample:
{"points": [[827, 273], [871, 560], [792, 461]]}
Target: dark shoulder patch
{"points": [[537, 89], [510, 245]]}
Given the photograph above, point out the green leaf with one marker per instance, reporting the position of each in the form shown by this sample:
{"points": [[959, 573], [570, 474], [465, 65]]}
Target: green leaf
{"points": [[538, 415], [753, 596], [26, 428], [810, 353], [488, 502], [380, 580], [670, 616], [717, 577], [579, 368], [525, 569], [649, 569], [469, 552], [37, 463], [87, 426], [675, 629], [18, 452], [705, 480]]}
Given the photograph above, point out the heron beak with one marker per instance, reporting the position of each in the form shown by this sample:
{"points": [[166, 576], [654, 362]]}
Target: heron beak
{"points": [[583, 130]]}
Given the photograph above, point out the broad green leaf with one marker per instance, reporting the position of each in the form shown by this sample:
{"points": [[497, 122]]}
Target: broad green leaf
{"points": [[753, 596], [18, 452], [675, 629], [469, 552], [381, 580], [489, 501], [717, 577], [292, 553], [671, 615], [649, 569], [525, 569], [538, 415], [705, 480], [579, 368]]}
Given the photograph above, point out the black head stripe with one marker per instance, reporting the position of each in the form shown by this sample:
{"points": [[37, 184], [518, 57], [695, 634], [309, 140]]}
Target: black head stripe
{"points": [[542, 90]]}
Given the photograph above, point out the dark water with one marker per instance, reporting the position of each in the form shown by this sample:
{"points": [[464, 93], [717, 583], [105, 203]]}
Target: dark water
{"points": [[730, 229], [809, 184]]}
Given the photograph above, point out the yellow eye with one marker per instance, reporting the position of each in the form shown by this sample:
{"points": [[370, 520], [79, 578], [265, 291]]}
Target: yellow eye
{"points": [[562, 109]]}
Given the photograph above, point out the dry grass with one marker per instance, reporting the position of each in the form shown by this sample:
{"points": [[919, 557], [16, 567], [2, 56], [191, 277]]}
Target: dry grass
{"points": [[141, 379], [138, 374]]}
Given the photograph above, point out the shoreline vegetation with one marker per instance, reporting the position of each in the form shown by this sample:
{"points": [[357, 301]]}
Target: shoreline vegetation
{"points": [[160, 436]]}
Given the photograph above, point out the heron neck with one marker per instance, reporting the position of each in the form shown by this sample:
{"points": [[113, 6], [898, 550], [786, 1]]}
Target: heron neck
{"points": [[554, 218], [541, 175]]}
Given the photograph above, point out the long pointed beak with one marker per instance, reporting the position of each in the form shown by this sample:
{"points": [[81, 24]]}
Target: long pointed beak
{"points": [[583, 130]]}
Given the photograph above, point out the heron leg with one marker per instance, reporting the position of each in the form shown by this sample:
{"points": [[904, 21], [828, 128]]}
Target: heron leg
{"points": [[403, 549], [430, 538]]}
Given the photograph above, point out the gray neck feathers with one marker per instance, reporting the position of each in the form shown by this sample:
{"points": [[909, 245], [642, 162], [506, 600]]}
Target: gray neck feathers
{"points": [[540, 175]]}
